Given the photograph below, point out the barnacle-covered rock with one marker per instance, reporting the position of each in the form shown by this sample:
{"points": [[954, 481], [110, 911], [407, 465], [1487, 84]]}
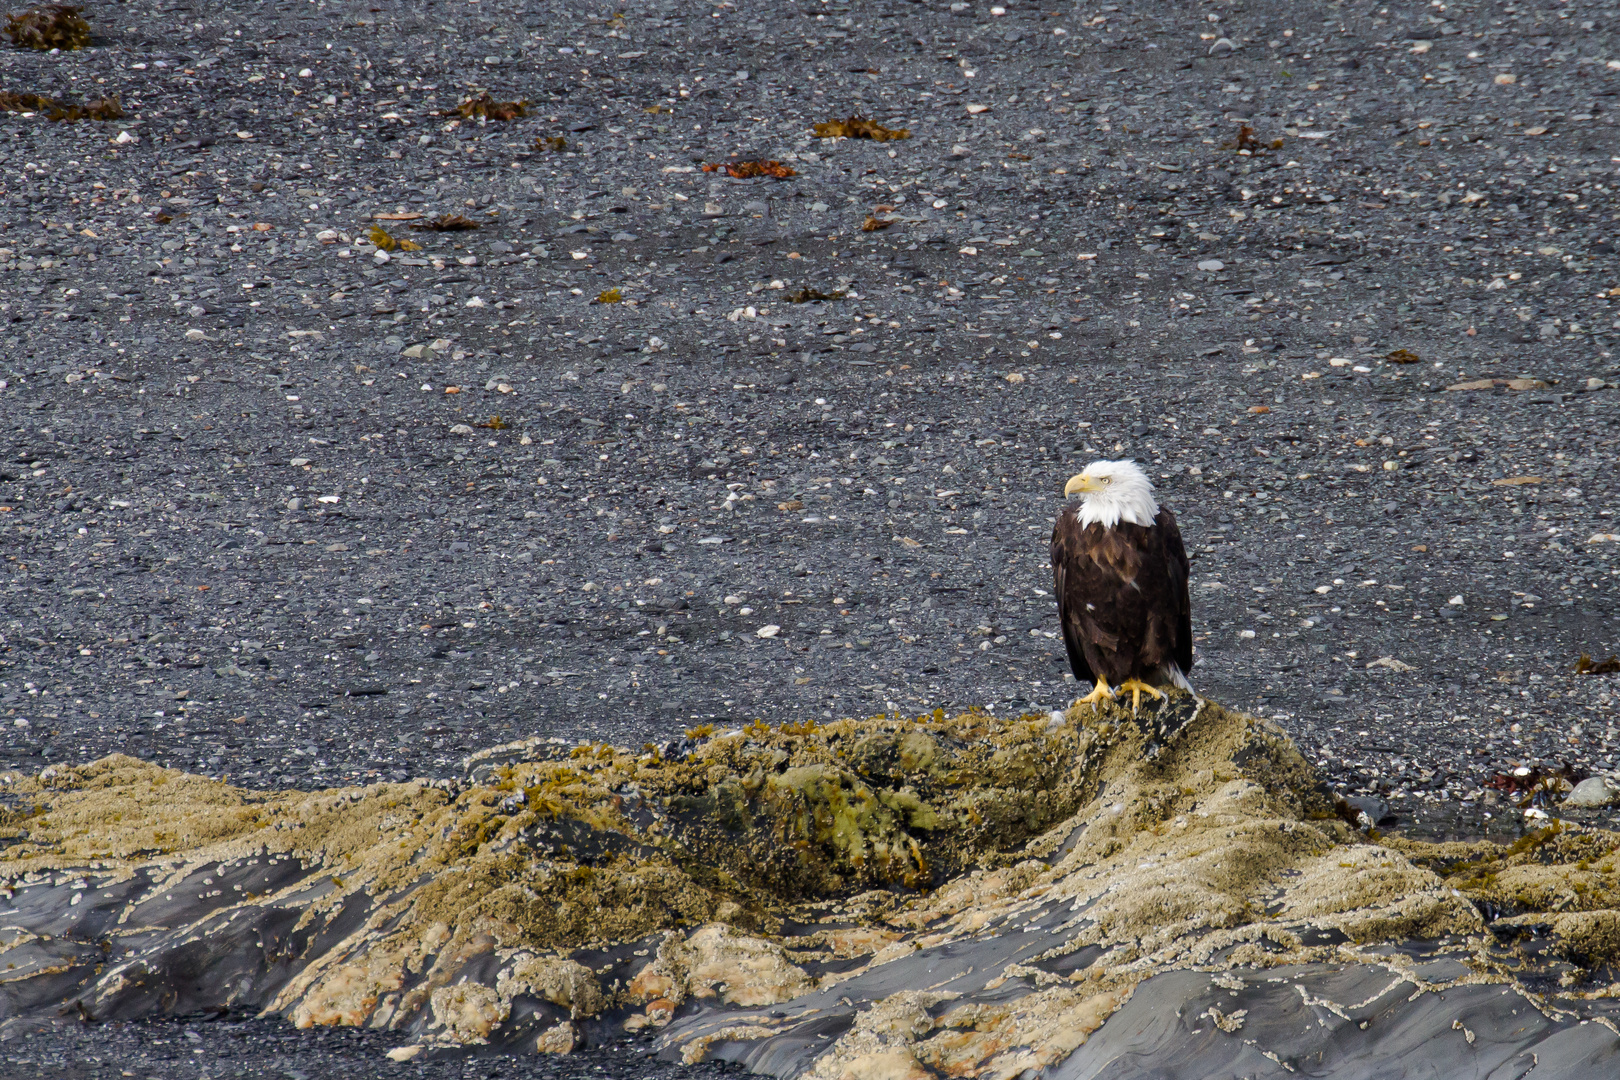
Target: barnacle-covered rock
{"points": [[932, 896]]}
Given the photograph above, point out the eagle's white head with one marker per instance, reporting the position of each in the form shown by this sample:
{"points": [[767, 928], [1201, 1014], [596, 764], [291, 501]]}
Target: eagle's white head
{"points": [[1113, 491]]}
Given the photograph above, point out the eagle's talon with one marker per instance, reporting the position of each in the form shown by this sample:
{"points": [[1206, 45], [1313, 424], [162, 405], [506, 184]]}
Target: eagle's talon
{"points": [[1137, 688], [1099, 693]]}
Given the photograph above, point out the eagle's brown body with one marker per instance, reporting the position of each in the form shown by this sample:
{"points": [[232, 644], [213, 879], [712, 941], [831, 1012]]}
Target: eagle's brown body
{"points": [[1122, 599]]}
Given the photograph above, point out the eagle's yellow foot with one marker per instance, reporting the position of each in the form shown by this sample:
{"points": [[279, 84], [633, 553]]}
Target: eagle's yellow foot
{"points": [[1137, 688], [1101, 693]]}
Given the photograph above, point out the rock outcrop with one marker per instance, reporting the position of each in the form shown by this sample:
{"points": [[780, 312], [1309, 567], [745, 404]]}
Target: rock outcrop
{"points": [[928, 897]]}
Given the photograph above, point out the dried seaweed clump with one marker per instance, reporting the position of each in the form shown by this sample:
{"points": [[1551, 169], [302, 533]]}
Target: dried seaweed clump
{"points": [[447, 223], [104, 108], [10, 102], [1404, 356], [49, 26], [873, 223], [1529, 787], [384, 242], [485, 107], [811, 296], [748, 170], [555, 143], [858, 127], [1587, 666], [1246, 141], [609, 296]]}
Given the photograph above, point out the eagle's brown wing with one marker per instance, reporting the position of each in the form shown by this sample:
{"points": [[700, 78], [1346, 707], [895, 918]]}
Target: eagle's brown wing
{"points": [[1179, 570], [1065, 546]]}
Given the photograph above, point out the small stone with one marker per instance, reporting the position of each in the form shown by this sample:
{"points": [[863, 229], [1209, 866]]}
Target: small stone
{"points": [[560, 1038], [196, 335], [295, 504], [461, 429], [769, 630], [1595, 791], [975, 110], [1211, 264], [1369, 808]]}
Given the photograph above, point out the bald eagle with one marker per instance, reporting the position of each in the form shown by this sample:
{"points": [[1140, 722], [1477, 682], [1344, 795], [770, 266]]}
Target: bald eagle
{"points": [[1120, 573]]}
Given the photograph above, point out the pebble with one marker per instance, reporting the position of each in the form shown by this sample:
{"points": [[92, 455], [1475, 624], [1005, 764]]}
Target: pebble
{"points": [[1595, 791]]}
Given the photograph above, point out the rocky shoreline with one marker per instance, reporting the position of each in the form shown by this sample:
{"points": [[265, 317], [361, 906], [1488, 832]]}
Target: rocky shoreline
{"points": [[1083, 893]]}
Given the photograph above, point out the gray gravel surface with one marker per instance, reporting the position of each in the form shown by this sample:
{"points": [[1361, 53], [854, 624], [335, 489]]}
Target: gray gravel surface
{"points": [[250, 530], [201, 1048]]}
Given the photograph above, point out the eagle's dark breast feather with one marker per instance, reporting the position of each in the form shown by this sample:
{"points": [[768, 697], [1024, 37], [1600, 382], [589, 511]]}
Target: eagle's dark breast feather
{"points": [[1122, 597]]}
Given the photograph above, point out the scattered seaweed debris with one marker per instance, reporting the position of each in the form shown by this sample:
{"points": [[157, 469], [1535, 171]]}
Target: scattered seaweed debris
{"points": [[485, 107], [1587, 666], [748, 170], [609, 296], [10, 102], [47, 27], [1246, 141], [1404, 356], [163, 217], [873, 223], [494, 423], [447, 223], [1536, 786], [384, 242], [554, 143], [811, 296], [858, 127], [104, 108]]}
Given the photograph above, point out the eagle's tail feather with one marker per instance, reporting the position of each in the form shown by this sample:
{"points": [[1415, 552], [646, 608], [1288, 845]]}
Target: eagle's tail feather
{"points": [[1179, 680]]}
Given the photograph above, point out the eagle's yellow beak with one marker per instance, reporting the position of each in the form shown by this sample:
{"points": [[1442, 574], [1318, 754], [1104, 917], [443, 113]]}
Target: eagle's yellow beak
{"points": [[1078, 485]]}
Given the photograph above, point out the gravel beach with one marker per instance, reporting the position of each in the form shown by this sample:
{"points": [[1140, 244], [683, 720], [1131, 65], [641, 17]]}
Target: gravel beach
{"points": [[652, 446]]}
